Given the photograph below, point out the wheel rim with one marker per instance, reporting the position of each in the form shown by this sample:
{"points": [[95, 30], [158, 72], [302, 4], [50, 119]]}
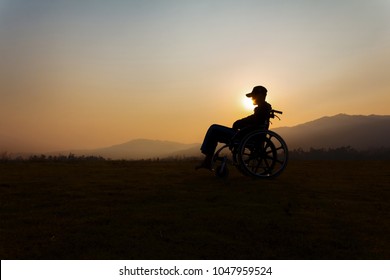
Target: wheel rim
{"points": [[263, 154]]}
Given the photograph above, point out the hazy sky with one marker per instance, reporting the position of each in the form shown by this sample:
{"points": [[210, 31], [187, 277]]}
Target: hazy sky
{"points": [[85, 74]]}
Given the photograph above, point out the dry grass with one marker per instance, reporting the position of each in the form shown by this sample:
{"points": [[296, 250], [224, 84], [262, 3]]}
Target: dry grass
{"points": [[166, 210]]}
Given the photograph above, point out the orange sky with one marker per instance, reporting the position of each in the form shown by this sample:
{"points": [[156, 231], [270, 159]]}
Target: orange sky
{"points": [[104, 72]]}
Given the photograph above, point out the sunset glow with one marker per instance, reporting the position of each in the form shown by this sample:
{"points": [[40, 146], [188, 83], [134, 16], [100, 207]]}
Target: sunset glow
{"points": [[248, 103], [87, 74]]}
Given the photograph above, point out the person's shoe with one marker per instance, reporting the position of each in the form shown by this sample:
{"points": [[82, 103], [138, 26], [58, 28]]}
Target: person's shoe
{"points": [[206, 164]]}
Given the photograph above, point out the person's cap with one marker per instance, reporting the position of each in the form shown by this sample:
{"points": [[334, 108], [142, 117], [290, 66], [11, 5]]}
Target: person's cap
{"points": [[258, 90]]}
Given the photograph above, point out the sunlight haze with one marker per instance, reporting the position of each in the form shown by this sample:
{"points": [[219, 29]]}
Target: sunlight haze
{"points": [[88, 74]]}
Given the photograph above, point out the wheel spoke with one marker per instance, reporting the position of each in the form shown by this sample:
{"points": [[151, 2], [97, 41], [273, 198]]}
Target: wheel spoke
{"points": [[268, 157], [257, 166], [267, 164], [262, 154]]}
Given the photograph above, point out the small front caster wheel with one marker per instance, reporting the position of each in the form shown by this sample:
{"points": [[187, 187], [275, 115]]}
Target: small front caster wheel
{"points": [[222, 171]]}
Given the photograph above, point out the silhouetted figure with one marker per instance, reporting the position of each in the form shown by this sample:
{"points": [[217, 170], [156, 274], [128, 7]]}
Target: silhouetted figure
{"points": [[222, 134]]}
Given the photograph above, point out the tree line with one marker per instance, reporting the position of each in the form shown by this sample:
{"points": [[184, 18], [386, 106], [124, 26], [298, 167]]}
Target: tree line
{"points": [[5, 156], [341, 153]]}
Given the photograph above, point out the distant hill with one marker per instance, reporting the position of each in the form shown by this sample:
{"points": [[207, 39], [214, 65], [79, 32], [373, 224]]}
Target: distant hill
{"points": [[359, 132], [138, 149], [10, 143]]}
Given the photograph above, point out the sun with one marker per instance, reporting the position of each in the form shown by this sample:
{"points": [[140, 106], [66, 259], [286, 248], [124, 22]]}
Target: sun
{"points": [[247, 103]]}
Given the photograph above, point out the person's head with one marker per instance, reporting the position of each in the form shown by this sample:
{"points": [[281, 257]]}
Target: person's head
{"points": [[258, 94]]}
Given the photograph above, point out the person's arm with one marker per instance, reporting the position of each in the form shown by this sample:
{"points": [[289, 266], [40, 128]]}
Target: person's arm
{"points": [[260, 116], [245, 122]]}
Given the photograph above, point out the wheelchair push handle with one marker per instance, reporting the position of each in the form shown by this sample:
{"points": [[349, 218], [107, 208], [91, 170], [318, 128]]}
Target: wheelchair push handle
{"points": [[273, 113], [276, 112]]}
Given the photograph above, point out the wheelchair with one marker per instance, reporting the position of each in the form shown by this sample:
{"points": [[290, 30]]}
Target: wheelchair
{"points": [[255, 151]]}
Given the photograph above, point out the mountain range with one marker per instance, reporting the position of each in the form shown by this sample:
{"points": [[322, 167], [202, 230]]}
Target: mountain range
{"points": [[358, 132]]}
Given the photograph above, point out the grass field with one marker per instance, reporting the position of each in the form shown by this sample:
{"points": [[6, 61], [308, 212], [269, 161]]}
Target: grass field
{"points": [[167, 210]]}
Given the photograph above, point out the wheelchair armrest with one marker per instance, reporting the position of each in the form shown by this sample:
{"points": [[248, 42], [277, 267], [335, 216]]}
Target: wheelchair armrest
{"points": [[236, 139]]}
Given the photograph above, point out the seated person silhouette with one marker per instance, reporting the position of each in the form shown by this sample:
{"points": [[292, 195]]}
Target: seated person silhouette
{"points": [[222, 134]]}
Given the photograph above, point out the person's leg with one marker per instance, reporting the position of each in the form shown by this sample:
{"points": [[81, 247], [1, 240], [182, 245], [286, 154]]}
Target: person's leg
{"points": [[215, 134]]}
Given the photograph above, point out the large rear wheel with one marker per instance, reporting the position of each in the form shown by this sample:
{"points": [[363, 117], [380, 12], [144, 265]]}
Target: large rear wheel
{"points": [[262, 154]]}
